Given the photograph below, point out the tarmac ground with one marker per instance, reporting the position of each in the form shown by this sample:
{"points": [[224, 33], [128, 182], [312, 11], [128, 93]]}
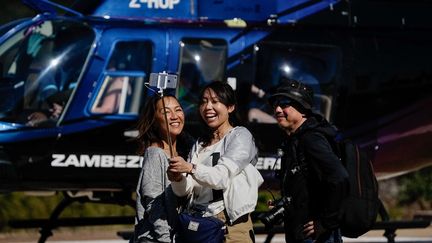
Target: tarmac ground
{"points": [[95, 234]]}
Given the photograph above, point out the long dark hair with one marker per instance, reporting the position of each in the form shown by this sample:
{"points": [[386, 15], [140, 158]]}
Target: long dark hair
{"points": [[226, 96], [149, 132]]}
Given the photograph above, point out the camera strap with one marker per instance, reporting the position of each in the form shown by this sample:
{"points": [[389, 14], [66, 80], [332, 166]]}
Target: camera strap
{"points": [[294, 163]]}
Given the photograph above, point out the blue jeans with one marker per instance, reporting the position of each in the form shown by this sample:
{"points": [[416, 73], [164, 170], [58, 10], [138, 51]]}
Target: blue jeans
{"points": [[335, 237]]}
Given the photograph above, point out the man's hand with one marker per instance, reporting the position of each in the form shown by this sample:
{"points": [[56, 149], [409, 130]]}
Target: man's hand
{"points": [[308, 229], [35, 118], [313, 229], [56, 110]]}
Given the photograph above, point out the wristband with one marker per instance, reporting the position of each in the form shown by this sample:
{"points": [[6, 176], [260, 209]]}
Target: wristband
{"points": [[193, 170]]}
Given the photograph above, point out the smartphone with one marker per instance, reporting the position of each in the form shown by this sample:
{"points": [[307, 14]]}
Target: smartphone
{"points": [[163, 80]]}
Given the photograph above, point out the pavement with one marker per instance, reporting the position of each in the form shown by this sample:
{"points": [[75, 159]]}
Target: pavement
{"points": [[99, 234]]}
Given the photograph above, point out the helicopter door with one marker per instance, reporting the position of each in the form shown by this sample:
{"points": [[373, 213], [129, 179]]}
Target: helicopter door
{"points": [[122, 88], [39, 67], [109, 109], [201, 61], [315, 65]]}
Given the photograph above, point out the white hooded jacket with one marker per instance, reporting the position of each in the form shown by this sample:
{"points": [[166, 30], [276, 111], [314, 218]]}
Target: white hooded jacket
{"points": [[235, 173]]}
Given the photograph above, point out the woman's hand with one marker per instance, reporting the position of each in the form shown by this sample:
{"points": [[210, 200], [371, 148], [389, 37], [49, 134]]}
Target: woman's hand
{"points": [[179, 165]]}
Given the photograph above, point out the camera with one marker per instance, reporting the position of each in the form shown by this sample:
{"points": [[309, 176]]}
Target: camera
{"points": [[163, 80], [275, 215]]}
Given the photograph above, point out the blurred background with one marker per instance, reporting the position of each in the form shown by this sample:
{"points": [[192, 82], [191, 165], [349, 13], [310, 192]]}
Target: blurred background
{"points": [[12, 10], [405, 196]]}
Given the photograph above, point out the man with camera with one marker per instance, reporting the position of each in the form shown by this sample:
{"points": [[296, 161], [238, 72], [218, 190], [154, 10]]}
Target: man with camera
{"points": [[313, 180]]}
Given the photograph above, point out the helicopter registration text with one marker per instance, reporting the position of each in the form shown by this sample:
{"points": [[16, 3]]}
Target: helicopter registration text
{"points": [[96, 161]]}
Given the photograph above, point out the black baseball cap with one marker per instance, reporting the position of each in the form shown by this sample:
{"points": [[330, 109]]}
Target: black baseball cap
{"points": [[296, 91]]}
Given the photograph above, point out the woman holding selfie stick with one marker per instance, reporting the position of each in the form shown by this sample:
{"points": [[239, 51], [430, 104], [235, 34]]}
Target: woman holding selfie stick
{"points": [[221, 176], [160, 133]]}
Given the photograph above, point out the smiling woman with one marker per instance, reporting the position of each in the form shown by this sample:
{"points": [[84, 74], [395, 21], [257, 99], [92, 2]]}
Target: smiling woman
{"points": [[223, 181], [158, 138]]}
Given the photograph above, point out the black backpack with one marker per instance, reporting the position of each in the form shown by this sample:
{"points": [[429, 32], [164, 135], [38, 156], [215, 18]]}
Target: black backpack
{"points": [[361, 206], [360, 209]]}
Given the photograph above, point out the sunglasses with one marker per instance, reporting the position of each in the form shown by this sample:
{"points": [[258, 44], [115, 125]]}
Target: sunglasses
{"points": [[282, 103]]}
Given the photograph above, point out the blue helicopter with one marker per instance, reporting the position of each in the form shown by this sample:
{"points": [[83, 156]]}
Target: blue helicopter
{"points": [[73, 80], [73, 84]]}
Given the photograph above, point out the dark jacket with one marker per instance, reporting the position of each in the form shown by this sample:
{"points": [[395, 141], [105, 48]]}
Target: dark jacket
{"points": [[313, 176]]}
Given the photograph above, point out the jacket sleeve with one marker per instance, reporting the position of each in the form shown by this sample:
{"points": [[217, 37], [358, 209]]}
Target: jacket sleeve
{"points": [[151, 201], [239, 151], [334, 177], [150, 184], [185, 186]]}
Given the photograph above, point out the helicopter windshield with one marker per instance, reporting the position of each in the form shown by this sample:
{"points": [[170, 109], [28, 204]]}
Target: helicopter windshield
{"points": [[39, 68]]}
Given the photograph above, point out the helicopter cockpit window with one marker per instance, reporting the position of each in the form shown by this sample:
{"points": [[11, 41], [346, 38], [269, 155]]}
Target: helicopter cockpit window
{"points": [[123, 82], [39, 68], [314, 65], [201, 61]]}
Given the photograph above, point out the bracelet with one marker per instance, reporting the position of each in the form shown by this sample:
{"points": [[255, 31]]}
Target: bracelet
{"points": [[193, 170]]}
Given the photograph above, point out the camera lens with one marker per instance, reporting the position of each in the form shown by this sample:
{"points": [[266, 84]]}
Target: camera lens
{"points": [[273, 216]]}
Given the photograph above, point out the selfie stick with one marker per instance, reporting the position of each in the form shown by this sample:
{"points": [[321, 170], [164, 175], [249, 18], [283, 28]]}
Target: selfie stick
{"points": [[165, 77]]}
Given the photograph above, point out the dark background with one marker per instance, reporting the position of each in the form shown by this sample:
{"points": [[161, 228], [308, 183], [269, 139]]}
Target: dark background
{"points": [[12, 10]]}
